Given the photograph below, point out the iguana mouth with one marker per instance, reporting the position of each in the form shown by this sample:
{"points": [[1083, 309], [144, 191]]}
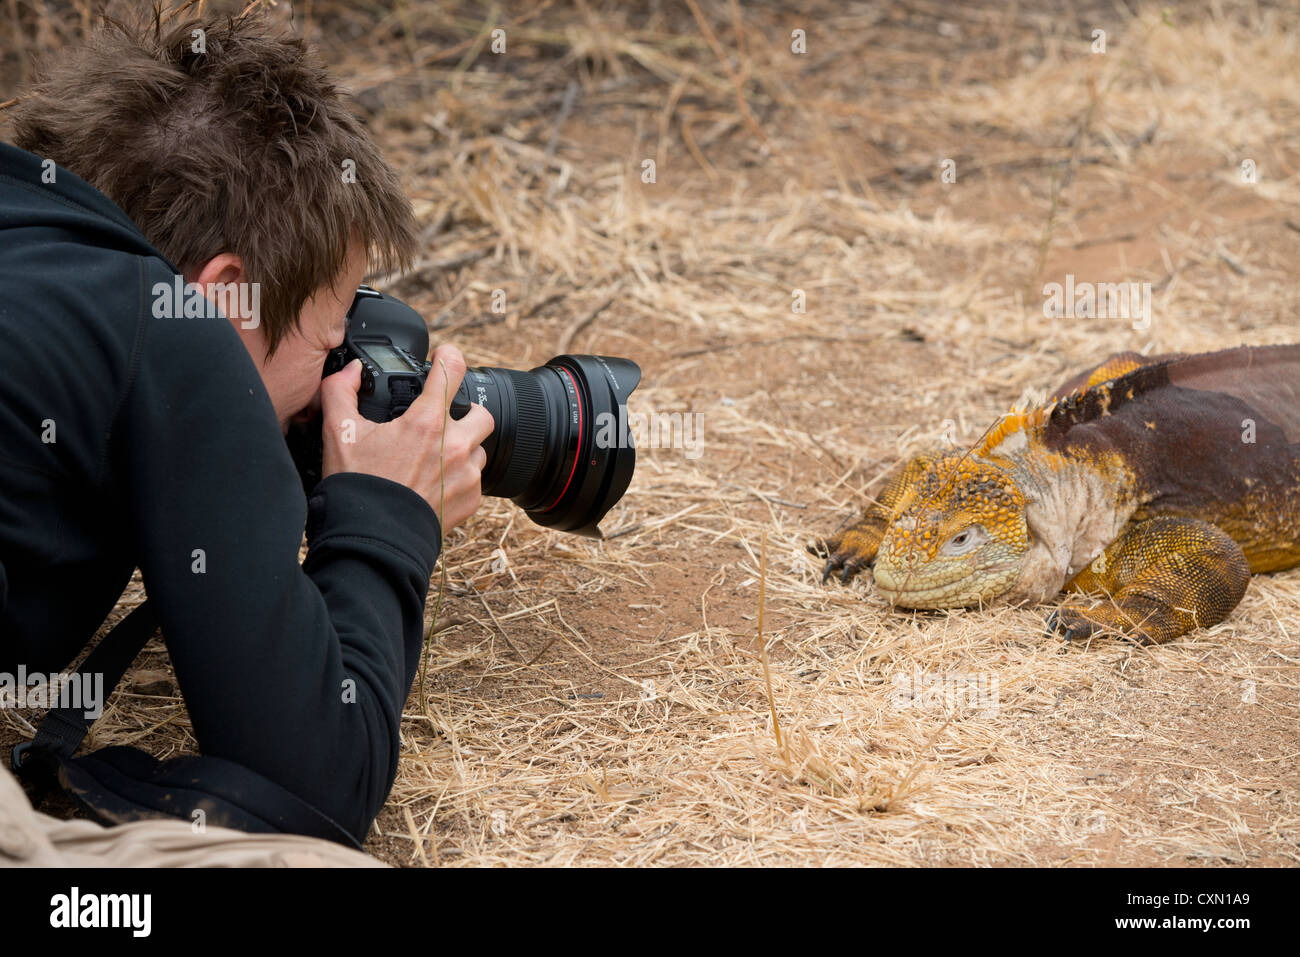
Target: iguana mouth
{"points": [[957, 588]]}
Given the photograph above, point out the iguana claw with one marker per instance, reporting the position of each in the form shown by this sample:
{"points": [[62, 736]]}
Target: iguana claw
{"points": [[848, 553], [843, 563], [1055, 624], [846, 569], [1077, 623]]}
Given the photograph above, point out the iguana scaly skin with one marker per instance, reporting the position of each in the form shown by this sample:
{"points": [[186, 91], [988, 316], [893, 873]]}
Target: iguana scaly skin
{"points": [[1159, 482]]}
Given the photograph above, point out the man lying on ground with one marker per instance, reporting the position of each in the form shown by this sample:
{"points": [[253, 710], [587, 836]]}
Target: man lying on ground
{"points": [[134, 433]]}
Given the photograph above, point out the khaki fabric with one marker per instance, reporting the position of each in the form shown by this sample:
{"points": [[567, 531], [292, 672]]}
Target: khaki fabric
{"points": [[32, 839]]}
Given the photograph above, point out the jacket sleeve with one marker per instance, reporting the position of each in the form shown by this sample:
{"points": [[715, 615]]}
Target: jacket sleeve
{"points": [[297, 671]]}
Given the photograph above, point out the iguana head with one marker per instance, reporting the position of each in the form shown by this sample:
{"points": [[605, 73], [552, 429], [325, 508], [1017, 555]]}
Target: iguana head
{"points": [[958, 537]]}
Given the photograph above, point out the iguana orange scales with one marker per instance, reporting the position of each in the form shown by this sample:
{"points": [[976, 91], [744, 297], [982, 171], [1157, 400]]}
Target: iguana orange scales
{"points": [[1162, 482]]}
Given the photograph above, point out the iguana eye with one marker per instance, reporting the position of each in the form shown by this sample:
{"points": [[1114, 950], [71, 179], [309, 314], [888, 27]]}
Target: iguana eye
{"points": [[965, 540]]}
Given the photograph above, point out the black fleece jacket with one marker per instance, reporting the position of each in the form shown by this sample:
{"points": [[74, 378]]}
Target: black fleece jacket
{"points": [[128, 440]]}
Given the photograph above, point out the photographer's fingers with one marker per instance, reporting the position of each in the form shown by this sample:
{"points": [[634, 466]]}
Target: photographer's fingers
{"points": [[476, 425], [457, 491], [461, 460], [340, 419], [440, 386], [424, 449], [338, 392]]}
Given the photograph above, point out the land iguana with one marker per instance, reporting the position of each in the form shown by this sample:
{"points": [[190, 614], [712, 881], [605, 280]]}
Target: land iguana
{"points": [[1162, 482]]}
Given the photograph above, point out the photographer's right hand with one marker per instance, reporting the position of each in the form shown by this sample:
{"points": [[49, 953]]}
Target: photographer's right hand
{"points": [[426, 450]]}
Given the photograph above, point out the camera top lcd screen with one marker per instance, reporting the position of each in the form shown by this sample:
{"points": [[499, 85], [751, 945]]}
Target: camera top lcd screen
{"points": [[387, 358]]}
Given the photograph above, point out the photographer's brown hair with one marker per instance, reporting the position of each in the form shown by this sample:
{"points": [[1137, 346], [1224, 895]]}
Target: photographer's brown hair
{"points": [[239, 142]]}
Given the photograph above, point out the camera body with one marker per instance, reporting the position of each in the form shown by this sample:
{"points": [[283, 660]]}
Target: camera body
{"points": [[560, 447], [391, 341]]}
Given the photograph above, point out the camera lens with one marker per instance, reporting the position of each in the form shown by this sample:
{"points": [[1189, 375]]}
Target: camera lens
{"points": [[561, 448]]}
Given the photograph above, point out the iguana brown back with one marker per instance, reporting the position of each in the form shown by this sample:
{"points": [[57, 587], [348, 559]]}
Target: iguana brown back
{"points": [[1162, 482]]}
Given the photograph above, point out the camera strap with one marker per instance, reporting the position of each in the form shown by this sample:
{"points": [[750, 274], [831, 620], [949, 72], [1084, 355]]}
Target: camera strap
{"points": [[120, 783]]}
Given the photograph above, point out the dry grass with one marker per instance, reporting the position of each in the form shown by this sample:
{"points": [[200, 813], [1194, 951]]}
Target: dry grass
{"points": [[606, 703]]}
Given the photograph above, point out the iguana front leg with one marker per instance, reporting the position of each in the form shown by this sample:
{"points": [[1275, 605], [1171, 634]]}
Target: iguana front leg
{"points": [[1165, 576], [854, 548]]}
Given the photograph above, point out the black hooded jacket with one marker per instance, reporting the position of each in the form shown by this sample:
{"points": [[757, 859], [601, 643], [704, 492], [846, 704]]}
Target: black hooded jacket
{"points": [[133, 441]]}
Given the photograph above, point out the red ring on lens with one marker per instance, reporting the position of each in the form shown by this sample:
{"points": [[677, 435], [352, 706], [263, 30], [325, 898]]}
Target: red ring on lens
{"points": [[577, 454]]}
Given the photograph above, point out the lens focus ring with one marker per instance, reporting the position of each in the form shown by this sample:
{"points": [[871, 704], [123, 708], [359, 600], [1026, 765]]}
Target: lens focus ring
{"points": [[530, 434]]}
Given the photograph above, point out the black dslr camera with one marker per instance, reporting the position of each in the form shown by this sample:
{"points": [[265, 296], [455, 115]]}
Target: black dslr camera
{"points": [[561, 449]]}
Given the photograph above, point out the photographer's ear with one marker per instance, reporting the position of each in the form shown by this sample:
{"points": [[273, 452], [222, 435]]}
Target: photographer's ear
{"points": [[225, 284]]}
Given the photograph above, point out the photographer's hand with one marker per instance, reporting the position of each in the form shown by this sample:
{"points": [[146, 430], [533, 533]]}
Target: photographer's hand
{"points": [[438, 457]]}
